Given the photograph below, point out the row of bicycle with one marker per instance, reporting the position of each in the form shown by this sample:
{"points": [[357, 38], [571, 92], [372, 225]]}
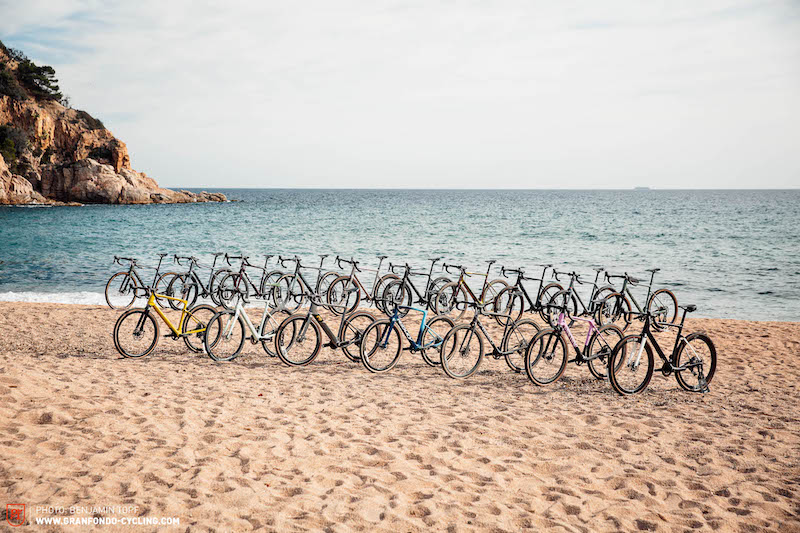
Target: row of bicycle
{"points": [[447, 292], [296, 334]]}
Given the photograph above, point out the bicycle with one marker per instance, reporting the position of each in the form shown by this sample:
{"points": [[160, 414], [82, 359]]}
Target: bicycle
{"points": [[136, 331], [617, 306], [225, 334], [453, 296], [693, 358], [511, 300], [190, 286], [569, 299], [236, 282], [462, 350], [124, 287], [292, 289], [401, 291], [546, 356], [340, 286], [381, 343], [298, 339]]}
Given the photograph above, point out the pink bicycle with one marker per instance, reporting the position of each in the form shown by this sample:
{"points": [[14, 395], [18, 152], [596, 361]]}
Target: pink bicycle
{"points": [[546, 356]]}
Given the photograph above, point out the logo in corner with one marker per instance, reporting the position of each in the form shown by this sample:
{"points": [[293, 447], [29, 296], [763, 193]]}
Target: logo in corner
{"points": [[15, 514]]}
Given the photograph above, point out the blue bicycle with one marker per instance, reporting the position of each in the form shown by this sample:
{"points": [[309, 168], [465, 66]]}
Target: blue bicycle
{"points": [[381, 343]]}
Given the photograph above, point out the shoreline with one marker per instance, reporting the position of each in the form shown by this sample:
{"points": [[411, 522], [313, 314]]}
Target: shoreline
{"points": [[253, 443]]}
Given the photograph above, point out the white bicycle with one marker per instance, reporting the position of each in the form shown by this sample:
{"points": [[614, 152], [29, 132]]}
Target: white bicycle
{"points": [[226, 331]]}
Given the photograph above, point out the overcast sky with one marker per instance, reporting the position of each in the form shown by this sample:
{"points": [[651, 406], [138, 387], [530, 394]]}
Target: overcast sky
{"points": [[466, 94]]}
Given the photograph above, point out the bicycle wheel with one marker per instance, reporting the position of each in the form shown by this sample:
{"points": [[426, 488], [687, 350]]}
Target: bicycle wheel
{"points": [[135, 333], [664, 306], [548, 291], [699, 355], [462, 351], [381, 346], [324, 284], [354, 327], [435, 331], [516, 341], [193, 328], [231, 287], [162, 287], [435, 286], [224, 337], [451, 301], [184, 287], [615, 309], [561, 302], [268, 287], [213, 284], [600, 347], [396, 294], [630, 367], [546, 357], [298, 340], [291, 294], [508, 302], [341, 298], [120, 291], [490, 293], [271, 327], [380, 286]]}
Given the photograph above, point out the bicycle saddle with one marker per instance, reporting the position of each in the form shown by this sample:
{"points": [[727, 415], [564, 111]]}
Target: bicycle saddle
{"points": [[162, 255], [323, 256], [598, 269], [382, 256], [653, 270], [633, 281], [491, 261], [691, 308]]}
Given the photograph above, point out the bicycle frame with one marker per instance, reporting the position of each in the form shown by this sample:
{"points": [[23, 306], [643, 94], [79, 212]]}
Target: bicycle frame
{"points": [[485, 332], [564, 326], [647, 335], [417, 344], [152, 303], [257, 333]]}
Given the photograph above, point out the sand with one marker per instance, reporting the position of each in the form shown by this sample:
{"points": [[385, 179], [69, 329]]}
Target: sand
{"points": [[255, 445]]}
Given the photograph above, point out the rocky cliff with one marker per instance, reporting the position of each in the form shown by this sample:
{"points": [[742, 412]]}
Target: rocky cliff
{"points": [[53, 154]]}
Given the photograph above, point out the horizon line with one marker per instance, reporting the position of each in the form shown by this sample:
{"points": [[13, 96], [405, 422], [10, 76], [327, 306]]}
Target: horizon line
{"points": [[637, 189]]}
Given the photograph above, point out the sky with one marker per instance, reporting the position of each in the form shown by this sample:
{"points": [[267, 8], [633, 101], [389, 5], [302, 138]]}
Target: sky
{"points": [[445, 94]]}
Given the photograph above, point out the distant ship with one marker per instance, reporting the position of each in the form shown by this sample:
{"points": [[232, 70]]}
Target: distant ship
{"points": [[641, 188]]}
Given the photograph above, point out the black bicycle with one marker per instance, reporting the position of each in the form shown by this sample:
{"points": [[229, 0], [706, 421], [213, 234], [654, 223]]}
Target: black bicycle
{"points": [[512, 299], [293, 289], [616, 307], [462, 350], [569, 299], [693, 358], [298, 340], [124, 287], [402, 293], [189, 286], [239, 282]]}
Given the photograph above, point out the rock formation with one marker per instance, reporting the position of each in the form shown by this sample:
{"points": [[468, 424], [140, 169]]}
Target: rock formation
{"points": [[57, 155]]}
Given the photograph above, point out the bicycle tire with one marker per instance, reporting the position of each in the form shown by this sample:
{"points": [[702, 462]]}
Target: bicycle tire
{"points": [[508, 302], [615, 309], [664, 298], [122, 347], [335, 298], [214, 340], [125, 286], [195, 320], [296, 343], [712, 363], [598, 366], [538, 358], [544, 297], [452, 348], [380, 349], [519, 334], [377, 291], [617, 369], [396, 294], [352, 334], [449, 303], [431, 331]]}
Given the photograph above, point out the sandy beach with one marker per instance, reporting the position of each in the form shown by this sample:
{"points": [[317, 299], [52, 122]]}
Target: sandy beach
{"points": [[253, 444]]}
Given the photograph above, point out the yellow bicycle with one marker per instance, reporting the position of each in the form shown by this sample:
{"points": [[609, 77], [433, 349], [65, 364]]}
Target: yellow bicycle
{"points": [[136, 331]]}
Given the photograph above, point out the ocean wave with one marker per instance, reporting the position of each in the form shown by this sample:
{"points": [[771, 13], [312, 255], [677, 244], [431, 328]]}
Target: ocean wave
{"points": [[84, 298]]}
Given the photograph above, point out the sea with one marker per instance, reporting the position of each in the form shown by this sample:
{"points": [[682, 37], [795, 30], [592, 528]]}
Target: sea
{"points": [[733, 253]]}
